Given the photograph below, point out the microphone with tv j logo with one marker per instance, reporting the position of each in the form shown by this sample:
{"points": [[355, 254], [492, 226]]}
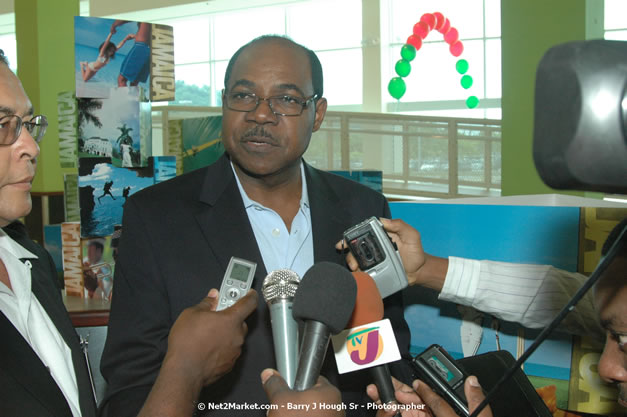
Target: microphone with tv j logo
{"points": [[368, 342]]}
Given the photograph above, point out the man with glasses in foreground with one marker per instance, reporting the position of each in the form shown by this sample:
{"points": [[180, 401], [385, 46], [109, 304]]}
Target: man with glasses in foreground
{"points": [[261, 202], [42, 368]]}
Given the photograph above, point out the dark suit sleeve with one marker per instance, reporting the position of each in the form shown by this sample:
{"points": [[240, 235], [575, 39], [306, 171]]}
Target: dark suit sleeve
{"points": [[139, 320]]}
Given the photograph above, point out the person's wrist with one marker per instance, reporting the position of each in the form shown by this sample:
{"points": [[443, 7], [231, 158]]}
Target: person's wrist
{"points": [[186, 372], [414, 278], [431, 274]]}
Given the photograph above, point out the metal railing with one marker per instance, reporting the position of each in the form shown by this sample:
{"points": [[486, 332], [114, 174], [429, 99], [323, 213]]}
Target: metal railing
{"points": [[419, 156]]}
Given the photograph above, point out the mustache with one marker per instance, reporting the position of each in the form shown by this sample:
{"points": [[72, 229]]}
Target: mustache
{"points": [[258, 131]]}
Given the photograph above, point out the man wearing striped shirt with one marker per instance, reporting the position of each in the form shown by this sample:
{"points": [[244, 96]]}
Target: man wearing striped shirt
{"points": [[530, 294]]}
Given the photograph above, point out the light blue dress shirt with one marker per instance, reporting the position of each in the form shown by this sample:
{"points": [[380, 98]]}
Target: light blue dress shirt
{"points": [[279, 248]]}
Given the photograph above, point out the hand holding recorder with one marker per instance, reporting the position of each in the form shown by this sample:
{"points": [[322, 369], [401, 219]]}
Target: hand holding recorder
{"points": [[203, 346], [434, 404], [420, 267]]}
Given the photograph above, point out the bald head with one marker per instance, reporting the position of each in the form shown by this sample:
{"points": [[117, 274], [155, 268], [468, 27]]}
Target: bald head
{"points": [[316, 67]]}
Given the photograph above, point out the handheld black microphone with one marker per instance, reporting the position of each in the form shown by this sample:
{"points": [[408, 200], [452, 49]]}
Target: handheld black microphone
{"points": [[324, 301], [278, 289]]}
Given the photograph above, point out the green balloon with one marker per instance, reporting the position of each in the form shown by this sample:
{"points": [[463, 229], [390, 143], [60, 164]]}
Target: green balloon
{"points": [[466, 81], [462, 66], [402, 67], [472, 102], [408, 52], [397, 87]]}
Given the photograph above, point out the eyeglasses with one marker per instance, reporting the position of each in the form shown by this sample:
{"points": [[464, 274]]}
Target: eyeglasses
{"points": [[11, 128], [285, 105], [621, 340]]}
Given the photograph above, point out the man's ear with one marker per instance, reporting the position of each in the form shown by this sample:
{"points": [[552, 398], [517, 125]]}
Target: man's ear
{"points": [[321, 110]]}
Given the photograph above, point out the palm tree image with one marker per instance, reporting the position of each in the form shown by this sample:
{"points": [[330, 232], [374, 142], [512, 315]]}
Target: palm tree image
{"points": [[86, 113], [125, 138]]}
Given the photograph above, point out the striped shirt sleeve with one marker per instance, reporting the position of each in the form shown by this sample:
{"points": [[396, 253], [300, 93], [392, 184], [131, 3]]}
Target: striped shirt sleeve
{"points": [[531, 295]]}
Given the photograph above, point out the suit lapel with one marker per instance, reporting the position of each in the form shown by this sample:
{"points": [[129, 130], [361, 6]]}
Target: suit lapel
{"points": [[48, 296], [61, 320], [224, 222], [328, 217], [19, 360]]}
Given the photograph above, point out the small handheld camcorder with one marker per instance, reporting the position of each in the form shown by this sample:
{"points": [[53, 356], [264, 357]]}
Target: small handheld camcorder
{"points": [[440, 371], [377, 255]]}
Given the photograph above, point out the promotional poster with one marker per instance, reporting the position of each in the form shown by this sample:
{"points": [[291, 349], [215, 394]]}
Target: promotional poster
{"points": [[113, 53]]}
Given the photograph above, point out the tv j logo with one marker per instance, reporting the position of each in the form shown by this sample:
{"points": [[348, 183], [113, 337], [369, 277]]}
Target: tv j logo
{"points": [[364, 345]]}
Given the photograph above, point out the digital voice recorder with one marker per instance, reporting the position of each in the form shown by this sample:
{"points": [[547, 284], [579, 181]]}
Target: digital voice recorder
{"points": [[236, 282], [440, 371]]}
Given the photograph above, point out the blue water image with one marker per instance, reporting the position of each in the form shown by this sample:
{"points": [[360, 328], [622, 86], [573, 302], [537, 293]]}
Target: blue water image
{"points": [[108, 207], [89, 34], [165, 168]]}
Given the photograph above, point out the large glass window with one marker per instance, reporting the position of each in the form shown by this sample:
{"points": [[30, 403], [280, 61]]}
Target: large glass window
{"points": [[7, 38], [434, 85], [333, 29], [204, 43], [615, 20], [9, 47]]}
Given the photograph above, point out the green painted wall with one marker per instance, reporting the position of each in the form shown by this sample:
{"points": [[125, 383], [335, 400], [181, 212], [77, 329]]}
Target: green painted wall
{"points": [[44, 33], [528, 29]]}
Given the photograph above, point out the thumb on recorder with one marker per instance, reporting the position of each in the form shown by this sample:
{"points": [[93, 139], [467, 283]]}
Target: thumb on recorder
{"points": [[203, 346], [421, 400], [210, 341], [420, 267]]}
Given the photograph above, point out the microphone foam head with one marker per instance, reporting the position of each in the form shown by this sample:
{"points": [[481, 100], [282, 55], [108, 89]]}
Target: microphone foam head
{"points": [[368, 304], [280, 285], [326, 294]]}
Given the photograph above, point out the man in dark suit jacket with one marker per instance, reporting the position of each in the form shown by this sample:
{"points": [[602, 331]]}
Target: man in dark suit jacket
{"points": [[27, 383], [26, 386], [179, 235]]}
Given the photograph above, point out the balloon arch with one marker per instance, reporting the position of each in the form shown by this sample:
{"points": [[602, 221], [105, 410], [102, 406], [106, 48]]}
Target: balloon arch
{"points": [[427, 23]]}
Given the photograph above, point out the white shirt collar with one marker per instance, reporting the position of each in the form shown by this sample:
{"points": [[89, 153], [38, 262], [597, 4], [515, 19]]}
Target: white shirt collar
{"points": [[14, 248], [304, 196]]}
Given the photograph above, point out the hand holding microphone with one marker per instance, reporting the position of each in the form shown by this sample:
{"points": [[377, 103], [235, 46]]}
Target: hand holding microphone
{"points": [[278, 289], [293, 403]]}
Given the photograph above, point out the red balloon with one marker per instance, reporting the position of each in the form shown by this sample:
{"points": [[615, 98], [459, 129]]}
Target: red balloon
{"points": [[451, 36], [415, 41], [429, 19], [445, 26], [421, 29], [439, 20], [456, 48]]}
